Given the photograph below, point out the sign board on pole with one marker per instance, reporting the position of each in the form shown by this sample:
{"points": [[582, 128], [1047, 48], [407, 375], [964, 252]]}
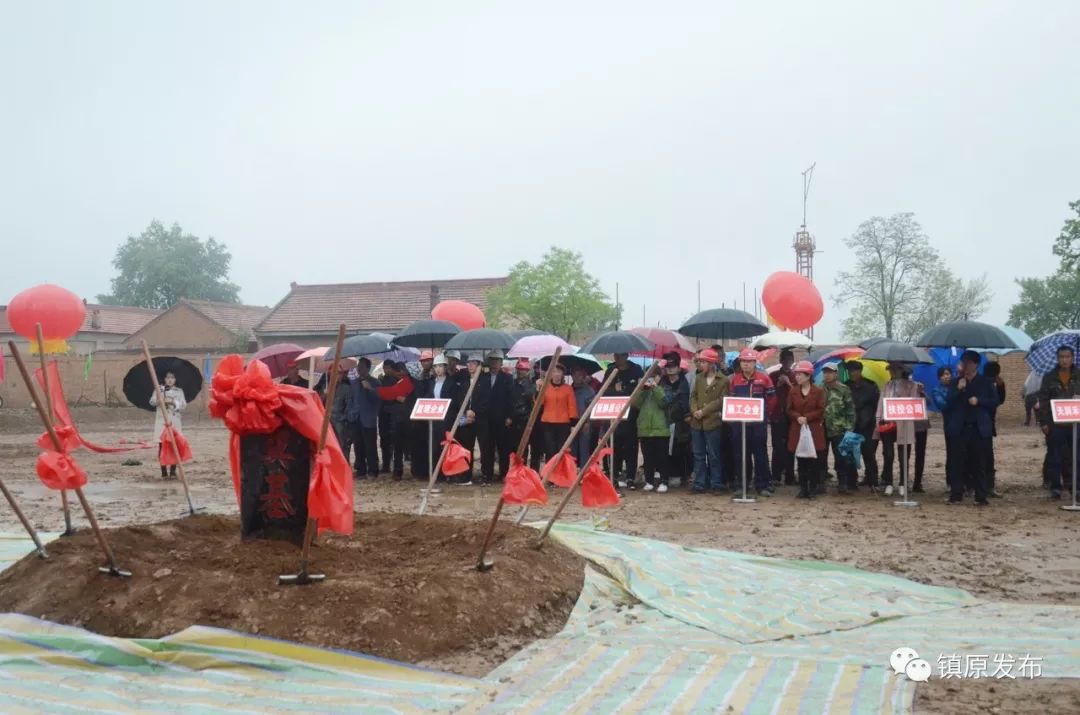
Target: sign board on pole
{"points": [[430, 409], [743, 409], [903, 409], [1065, 411], [611, 408]]}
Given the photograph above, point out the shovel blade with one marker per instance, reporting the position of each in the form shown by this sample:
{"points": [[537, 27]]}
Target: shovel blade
{"points": [[300, 579], [117, 572], [485, 565]]}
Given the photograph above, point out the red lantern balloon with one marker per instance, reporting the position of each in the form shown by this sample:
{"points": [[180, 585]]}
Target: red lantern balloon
{"points": [[792, 300], [59, 311], [464, 315]]}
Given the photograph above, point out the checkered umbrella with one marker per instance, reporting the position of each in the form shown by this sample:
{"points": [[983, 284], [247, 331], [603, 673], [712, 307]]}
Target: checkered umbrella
{"points": [[1042, 357]]}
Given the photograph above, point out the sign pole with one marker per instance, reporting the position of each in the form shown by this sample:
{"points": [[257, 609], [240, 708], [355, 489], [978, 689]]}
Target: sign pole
{"points": [[744, 499], [1073, 506]]}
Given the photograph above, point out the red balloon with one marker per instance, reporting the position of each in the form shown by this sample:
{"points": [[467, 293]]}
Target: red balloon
{"points": [[792, 300], [59, 311], [464, 315]]}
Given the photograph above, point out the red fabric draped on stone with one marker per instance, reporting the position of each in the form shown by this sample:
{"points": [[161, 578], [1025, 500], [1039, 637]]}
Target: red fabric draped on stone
{"points": [[522, 484], [166, 456], [250, 402], [59, 471], [596, 489], [457, 457], [564, 472]]}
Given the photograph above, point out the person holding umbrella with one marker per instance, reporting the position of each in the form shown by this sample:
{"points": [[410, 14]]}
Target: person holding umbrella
{"points": [[362, 408], [1062, 383], [748, 381], [971, 400], [174, 405], [493, 412], [895, 433], [651, 403], [624, 462], [865, 396], [806, 408]]}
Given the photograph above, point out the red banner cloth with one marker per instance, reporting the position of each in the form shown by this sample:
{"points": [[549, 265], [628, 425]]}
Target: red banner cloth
{"points": [[457, 457], [63, 423], [564, 472], [166, 456], [250, 402], [597, 491], [59, 471], [522, 484]]}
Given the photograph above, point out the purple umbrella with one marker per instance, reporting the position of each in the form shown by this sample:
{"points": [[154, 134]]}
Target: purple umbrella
{"points": [[535, 347], [278, 357]]}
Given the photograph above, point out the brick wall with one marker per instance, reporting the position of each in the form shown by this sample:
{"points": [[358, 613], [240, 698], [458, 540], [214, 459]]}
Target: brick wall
{"points": [[183, 327], [1014, 371]]}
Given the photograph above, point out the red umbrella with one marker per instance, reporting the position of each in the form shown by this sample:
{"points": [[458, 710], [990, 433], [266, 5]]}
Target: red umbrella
{"points": [[278, 357], [666, 341]]}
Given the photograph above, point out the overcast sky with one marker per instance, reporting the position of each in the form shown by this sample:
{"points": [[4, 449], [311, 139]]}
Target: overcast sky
{"points": [[364, 141]]}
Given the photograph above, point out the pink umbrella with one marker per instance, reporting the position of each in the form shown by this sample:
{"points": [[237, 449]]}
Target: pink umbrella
{"points": [[535, 347], [666, 341], [316, 363], [278, 357]]}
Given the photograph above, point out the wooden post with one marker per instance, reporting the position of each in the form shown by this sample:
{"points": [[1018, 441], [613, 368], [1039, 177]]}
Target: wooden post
{"points": [[592, 458], [68, 530], [42, 553], [446, 447], [112, 569], [582, 421], [160, 394], [302, 578], [482, 565]]}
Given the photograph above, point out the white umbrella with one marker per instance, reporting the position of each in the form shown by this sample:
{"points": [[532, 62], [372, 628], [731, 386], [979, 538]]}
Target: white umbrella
{"points": [[782, 339]]}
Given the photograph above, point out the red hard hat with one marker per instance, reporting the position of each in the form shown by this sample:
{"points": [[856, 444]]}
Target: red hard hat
{"points": [[709, 355], [804, 366], [748, 354], [523, 364], [426, 355]]}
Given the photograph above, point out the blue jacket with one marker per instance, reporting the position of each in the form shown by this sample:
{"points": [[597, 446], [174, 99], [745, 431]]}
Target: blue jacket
{"points": [[363, 406], [959, 413], [939, 397]]}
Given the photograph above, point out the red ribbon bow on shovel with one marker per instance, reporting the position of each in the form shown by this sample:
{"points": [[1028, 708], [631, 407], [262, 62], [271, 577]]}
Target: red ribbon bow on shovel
{"points": [[59, 471], [564, 472], [167, 458], [457, 457], [597, 491], [522, 484]]}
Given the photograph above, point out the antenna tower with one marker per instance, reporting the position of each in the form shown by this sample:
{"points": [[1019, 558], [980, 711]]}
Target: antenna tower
{"points": [[804, 244]]}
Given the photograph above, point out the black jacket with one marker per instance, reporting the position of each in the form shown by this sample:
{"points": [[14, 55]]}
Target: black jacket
{"points": [[865, 396], [523, 393], [626, 381], [493, 401], [1053, 389]]}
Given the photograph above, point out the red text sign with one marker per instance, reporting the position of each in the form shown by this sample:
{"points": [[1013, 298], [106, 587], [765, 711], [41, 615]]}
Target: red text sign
{"points": [[899, 409], [611, 408], [1065, 410], [743, 409], [430, 409]]}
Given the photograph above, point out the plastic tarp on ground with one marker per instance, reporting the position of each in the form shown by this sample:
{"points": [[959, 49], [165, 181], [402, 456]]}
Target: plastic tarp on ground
{"points": [[658, 628]]}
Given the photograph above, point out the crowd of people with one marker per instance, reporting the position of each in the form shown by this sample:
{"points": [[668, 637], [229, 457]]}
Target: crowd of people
{"points": [[675, 429]]}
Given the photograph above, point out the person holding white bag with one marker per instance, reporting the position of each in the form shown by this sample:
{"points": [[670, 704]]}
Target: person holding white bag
{"points": [[806, 433]]}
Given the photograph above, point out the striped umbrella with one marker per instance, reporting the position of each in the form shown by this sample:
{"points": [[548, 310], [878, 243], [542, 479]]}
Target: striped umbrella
{"points": [[1042, 357]]}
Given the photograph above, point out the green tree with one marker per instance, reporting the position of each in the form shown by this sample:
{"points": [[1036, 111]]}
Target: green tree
{"points": [[900, 287], [556, 295], [1047, 305], [1067, 245], [161, 266]]}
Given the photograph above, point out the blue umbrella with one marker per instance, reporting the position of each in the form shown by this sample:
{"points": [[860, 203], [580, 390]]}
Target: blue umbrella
{"points": [[1042, 357], [942, 357], [1023, 340]]}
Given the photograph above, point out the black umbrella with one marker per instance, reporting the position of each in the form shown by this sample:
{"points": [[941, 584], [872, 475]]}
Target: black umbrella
{"points": [[723, 324], [967, 334], [617, 341], [359, 346], [138, 388], [426, 334], [519, 334], [571, 361], [480, 339], [892, 351], [871, 342]]}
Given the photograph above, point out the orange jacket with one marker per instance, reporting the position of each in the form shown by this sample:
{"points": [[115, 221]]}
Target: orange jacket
{"points": [[560, 405]]}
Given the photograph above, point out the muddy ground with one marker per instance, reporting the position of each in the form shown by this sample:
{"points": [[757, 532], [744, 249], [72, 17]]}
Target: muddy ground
{"points": [[1021, 548]]}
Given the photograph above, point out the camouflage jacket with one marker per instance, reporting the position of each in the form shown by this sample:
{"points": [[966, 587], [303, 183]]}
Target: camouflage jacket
{"points": [[839, 409]]}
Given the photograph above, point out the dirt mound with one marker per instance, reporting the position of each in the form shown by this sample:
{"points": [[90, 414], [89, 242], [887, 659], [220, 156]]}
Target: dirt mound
{"points": [[403, 587]]}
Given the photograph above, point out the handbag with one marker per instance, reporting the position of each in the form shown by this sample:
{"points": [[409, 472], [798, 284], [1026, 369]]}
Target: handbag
{"points": [[805, 448]]}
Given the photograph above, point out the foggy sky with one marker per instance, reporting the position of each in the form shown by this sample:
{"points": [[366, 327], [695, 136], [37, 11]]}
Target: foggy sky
{"points": [[363, 141]]}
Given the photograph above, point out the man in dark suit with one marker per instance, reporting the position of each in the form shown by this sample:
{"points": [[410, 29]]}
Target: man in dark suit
{"points": [[971, 399], [492, 405]]}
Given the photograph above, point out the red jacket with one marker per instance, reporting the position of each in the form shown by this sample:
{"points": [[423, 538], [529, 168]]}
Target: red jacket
{"points": [[760, 385]]}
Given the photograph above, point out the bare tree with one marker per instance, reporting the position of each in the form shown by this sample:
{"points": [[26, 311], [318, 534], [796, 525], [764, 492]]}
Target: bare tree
{"points": [[899, 288]]}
